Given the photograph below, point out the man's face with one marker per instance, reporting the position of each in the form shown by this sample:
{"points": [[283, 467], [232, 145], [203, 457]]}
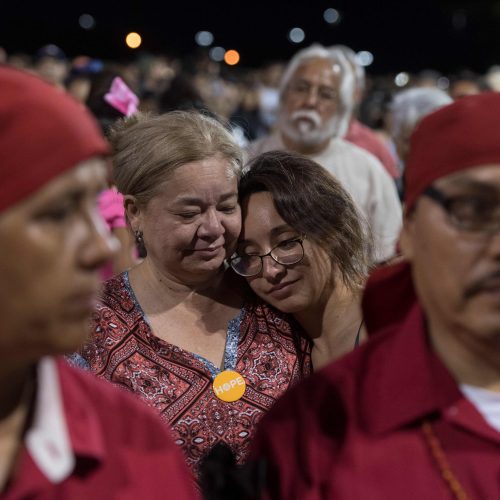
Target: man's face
{"points": [[53, 244], [310, 110], [457, 270]]}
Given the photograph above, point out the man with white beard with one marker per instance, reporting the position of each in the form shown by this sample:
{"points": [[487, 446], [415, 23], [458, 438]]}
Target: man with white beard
{"points": [[316, 102]]}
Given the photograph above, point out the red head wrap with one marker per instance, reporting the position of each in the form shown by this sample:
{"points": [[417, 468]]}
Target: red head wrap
{"points": [[43, 132], [462, 135]]}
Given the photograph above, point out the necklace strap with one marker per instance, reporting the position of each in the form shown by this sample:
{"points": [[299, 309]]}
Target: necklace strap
{"points": [[441, 460]]}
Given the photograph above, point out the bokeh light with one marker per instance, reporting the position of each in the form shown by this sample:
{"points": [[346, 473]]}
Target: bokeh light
{"points": [[402, 79], [331, 16], [364, 57], [204, 38], [133, 40], [443, 83], [296, 35], [86, 21], [232, 57], [217, 54]]}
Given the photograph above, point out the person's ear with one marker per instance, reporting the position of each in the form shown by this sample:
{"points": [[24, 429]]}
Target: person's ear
{"points": [[407, 237], [133, 212]]}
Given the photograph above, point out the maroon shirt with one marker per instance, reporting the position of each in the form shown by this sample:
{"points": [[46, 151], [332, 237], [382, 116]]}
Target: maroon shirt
{"points": [[121, 448], [363, 137], [354, 430]]}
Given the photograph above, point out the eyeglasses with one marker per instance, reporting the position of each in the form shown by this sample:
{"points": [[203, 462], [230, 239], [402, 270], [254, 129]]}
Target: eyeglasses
{"points": [[326, 94], [286, 253], [473, 213]]}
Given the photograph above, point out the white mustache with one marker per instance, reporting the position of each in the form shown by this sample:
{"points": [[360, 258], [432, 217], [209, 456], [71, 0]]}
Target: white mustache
{"points": [[308, 114]]}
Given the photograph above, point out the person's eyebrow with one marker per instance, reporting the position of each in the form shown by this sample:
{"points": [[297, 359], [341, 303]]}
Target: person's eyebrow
{"points": [[472, 184], [194, 200], [274, 232], [227, 196]]}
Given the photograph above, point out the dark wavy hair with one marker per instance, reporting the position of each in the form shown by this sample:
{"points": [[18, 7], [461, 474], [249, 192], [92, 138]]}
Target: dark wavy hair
{"points": [[314, 203]]}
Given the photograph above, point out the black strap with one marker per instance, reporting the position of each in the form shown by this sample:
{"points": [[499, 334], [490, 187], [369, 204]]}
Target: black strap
{"points": [[356, 342]]}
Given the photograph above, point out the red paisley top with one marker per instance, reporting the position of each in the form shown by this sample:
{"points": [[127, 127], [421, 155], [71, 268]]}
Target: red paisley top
{"points": [[263, 345]]}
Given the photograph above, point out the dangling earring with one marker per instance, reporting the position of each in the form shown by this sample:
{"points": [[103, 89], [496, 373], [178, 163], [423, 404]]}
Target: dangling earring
{"points": [[139, 241]]}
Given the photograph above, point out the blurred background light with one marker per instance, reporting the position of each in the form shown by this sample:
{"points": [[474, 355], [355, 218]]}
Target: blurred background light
{"points": [[133, 40], [443, 83], [204, 38], [296, 35], [402, 79], [331, 16], [86, 21], [232, 57], [217, 54], [364, 57]]}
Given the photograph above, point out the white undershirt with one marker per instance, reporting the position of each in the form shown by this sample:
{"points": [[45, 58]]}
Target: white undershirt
{"points": [[48, 440], [486, 402]]}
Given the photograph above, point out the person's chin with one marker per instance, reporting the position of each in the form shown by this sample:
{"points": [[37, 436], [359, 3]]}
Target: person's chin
{"points": [[210, 263], [288, 303], [70, 337]]}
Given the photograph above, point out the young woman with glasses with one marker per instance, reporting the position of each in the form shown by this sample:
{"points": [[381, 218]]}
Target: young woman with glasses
{"points": [[304, 249]]}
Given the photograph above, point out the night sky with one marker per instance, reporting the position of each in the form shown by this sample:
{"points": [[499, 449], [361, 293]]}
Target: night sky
{"points": [[444, 35]]}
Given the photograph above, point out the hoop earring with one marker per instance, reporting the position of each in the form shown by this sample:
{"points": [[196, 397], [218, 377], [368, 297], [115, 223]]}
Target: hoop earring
{"points": [[139, 241]]}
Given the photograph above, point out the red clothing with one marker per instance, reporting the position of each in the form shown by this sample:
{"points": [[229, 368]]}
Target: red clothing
{"points": [[45, 132], [379, 312], [366, 139], [354, 430], [121, 449], [268, 352]]}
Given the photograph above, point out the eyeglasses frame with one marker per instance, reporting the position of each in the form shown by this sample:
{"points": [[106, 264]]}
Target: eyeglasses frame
{"points": [[441, 199], [299, 239]]}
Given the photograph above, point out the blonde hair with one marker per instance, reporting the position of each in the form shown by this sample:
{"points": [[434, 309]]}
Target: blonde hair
{"points": [[147, 149]]}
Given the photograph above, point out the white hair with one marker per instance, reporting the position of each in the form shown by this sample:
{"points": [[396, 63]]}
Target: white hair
{"points": [[317, 51], [409, 106], [359, 69]]}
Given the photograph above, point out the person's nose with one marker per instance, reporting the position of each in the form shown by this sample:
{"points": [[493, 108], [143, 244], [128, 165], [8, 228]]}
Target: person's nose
{"points": [[494, 244], [211, 226], [311, 98], [99, 245], [272, 270]]}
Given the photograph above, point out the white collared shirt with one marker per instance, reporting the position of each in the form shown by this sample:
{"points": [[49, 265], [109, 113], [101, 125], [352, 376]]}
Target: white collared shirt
{"points": [[47, 440]]}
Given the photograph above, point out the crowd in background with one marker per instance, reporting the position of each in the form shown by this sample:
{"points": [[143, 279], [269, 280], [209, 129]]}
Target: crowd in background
{"points": [[247, 97], [299, 224]]}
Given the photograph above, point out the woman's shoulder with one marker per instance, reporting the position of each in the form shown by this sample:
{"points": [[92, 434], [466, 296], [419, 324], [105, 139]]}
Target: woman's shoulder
{"points": [[116, 301], [117, 288]]}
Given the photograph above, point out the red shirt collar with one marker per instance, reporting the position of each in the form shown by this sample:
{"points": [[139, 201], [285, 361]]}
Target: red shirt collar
{"points": [[86, 436]]}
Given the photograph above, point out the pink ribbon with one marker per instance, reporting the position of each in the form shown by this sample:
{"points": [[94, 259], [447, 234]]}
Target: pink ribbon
{"points": [[121, 97]]}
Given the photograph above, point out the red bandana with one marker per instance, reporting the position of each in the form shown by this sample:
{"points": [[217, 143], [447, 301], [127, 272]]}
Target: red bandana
{"points": [[462, 135], [43, 132]]}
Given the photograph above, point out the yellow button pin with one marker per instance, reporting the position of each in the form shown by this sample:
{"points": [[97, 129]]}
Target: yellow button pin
{"points": [[229, 386]]}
